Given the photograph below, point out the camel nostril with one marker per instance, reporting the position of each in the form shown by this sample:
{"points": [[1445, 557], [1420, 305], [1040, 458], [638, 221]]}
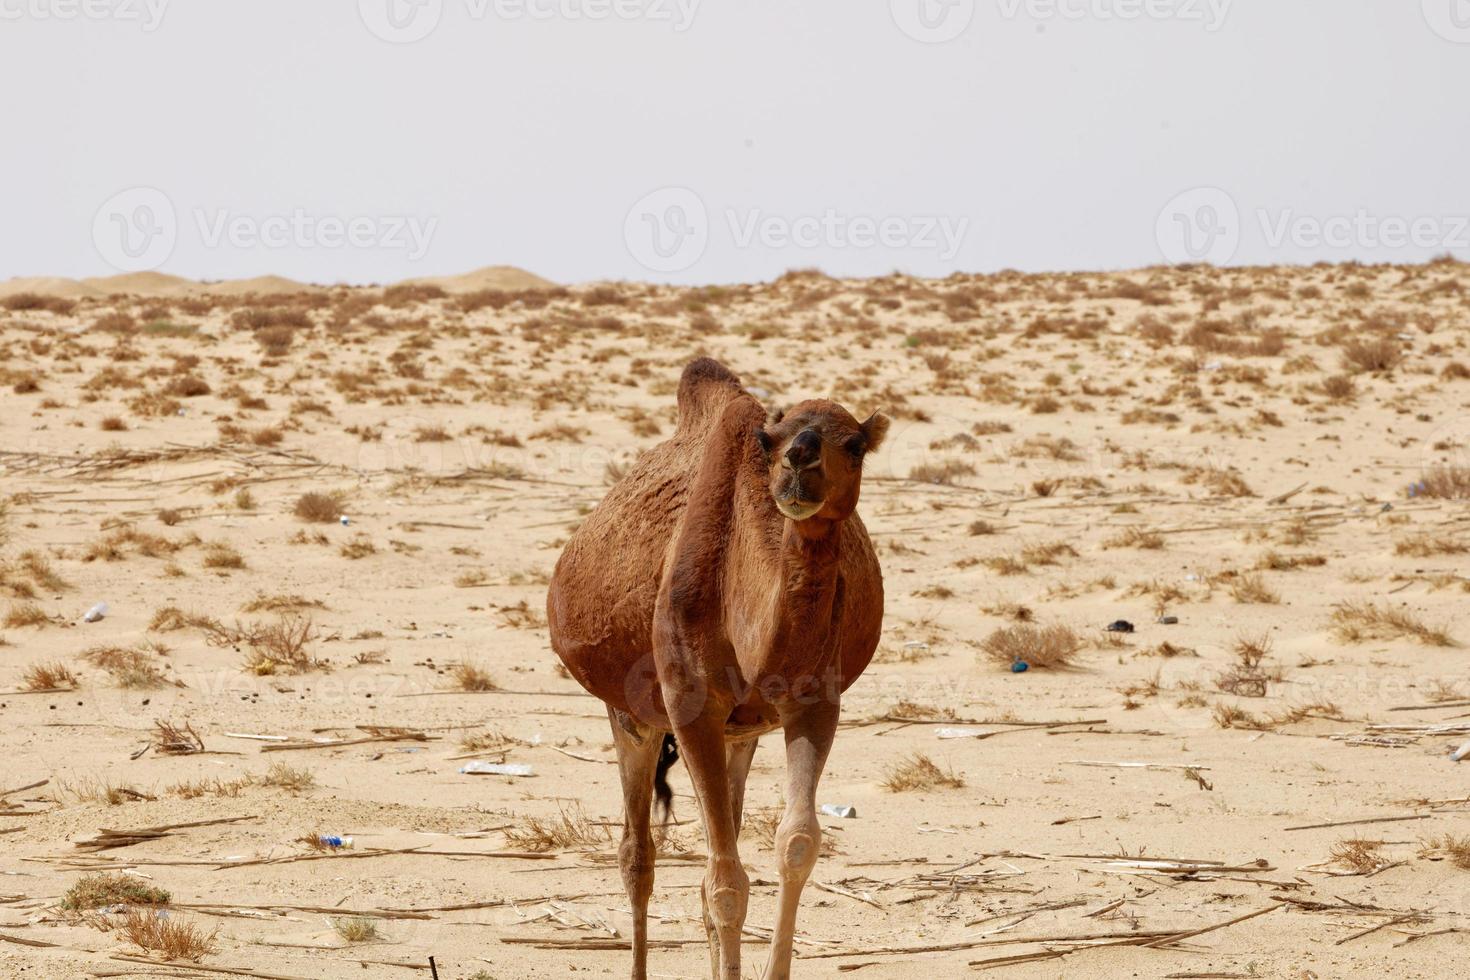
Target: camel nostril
{"points": [[805, 450]]}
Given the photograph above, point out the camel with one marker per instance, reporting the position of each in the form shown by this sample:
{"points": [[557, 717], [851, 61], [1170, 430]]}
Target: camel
{"points": [[725, 587]]}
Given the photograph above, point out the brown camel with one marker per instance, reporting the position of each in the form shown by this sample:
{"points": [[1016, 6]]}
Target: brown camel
{"points": [[723, 588]]}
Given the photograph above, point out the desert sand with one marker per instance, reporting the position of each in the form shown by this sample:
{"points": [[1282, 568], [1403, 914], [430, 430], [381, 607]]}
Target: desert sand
{"points": [[1274, 457]]}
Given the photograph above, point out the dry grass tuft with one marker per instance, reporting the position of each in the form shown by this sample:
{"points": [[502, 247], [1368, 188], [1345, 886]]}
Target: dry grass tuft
{"points": [[287, 777], [281, 646], [1047, 647], [1360, 622], [356, 929], [171, 938], [919, 772], [26, 614], [48, 677], [1252, 588], [1358, 856], [569, 829], [1448, 846], [1428, 545], [1445, 482], [472, 677]]}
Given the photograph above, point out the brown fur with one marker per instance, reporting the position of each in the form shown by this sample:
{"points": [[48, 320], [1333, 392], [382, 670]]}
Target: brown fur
{"points": [[724, 587]]}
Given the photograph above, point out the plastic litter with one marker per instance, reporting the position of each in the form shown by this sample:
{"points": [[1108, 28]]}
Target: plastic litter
{"points": [[478, 768], [96, 613], [1463, 752], [334, 842], [343, 520], [1020, 667], [838, 810], [1120, 626], [959, 732], [1169, 620]]}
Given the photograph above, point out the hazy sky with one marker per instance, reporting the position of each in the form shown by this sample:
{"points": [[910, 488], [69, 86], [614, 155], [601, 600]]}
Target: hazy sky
{"points": [[721, 140]]}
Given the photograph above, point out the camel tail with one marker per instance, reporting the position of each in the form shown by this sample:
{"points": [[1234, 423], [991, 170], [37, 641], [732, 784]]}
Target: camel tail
{"points": [[661, 791]]}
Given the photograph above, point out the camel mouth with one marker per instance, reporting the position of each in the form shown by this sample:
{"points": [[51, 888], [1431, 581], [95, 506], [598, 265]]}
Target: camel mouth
{"points": [[798, 510]]}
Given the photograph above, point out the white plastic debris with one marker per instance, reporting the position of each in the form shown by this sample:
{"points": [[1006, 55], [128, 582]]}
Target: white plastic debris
{"points": [[96, 613], [960, 732], [343, 519], [838, 810], [1463, 752], [479, 768]]}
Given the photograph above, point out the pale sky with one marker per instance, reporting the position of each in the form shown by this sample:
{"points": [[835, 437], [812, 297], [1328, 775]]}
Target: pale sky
{"points": [[727, 140]]}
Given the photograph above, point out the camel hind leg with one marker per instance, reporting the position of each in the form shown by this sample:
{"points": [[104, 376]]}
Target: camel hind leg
{"points": [[638, 751]]}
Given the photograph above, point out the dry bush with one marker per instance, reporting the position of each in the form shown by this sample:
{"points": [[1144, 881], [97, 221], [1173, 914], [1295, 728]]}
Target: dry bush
{"points": [[222, 555], [113, 423], [318, 508], [1340, 387], [569, 829], [29, 302], [1359, 622], [1252, 588], [944, 472], [1371, 354], [1229, 716], [25, 614], [283, 776], [1137, 537], [280, 646], [356, 928], [1455, 849], [129, 666], [1428, 545], [171, 938], [48, 677], [471, 677], [1445, 482], [1047, 647], [1358, 856], [280, 602], [361, 546], [918, 771], [101, 890]]}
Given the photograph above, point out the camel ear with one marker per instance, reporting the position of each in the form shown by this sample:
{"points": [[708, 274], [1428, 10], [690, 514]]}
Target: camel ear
{"points": [[874, 429]]}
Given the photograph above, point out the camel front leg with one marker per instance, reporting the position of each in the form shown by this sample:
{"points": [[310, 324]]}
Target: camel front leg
{"points": [[638, 748], [809, 731]]}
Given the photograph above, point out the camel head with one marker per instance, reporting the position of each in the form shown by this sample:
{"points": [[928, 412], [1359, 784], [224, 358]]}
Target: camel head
{"points": [[815, 454]]}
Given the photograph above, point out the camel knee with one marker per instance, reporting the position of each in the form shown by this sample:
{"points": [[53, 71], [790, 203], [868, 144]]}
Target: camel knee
{"points": [[727, 890], [797, 845], [635, 860]]}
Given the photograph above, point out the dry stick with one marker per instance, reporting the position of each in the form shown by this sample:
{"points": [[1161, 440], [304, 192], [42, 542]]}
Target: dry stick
{"points": [[298, 746], [1350, 823], [231, 971], [1411, 917], [7, 938], [319, 909]]}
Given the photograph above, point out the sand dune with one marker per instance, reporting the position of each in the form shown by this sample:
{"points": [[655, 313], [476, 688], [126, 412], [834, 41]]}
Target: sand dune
{"points": [[158, 285]]}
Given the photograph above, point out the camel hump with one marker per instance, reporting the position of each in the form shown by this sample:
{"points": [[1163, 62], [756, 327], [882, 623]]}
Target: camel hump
{"points": [[705, 387]]}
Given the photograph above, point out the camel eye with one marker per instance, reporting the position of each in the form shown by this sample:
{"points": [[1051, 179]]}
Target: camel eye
{"points": [[856, 445], [764, 438]]}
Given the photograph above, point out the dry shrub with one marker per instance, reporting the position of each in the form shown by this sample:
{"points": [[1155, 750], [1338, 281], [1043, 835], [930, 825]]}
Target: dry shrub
{"points": [[28, 302], [361, 546], [569, 829], [1340, 387], [1358, 856], [1252, 588], [318, 508], [25, 614], [918, 771], [944, 472], [1359, 622], [48, 677], [1137, 537], [471, 677], [101, 890], [1371, 354], [222, 555], [1047, 647], [1428, 545], [283, 776], [281, 646], [1445, 482], [1229, 716], [171, 938], [356, 928], [1456, 849], [129, 666], [280, 602]]}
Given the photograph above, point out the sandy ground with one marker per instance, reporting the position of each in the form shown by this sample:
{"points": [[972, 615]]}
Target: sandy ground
{"points": [[1231, 448]]}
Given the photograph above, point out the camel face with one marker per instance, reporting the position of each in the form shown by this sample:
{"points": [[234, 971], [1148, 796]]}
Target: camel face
{"points": [[815, 457]]}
